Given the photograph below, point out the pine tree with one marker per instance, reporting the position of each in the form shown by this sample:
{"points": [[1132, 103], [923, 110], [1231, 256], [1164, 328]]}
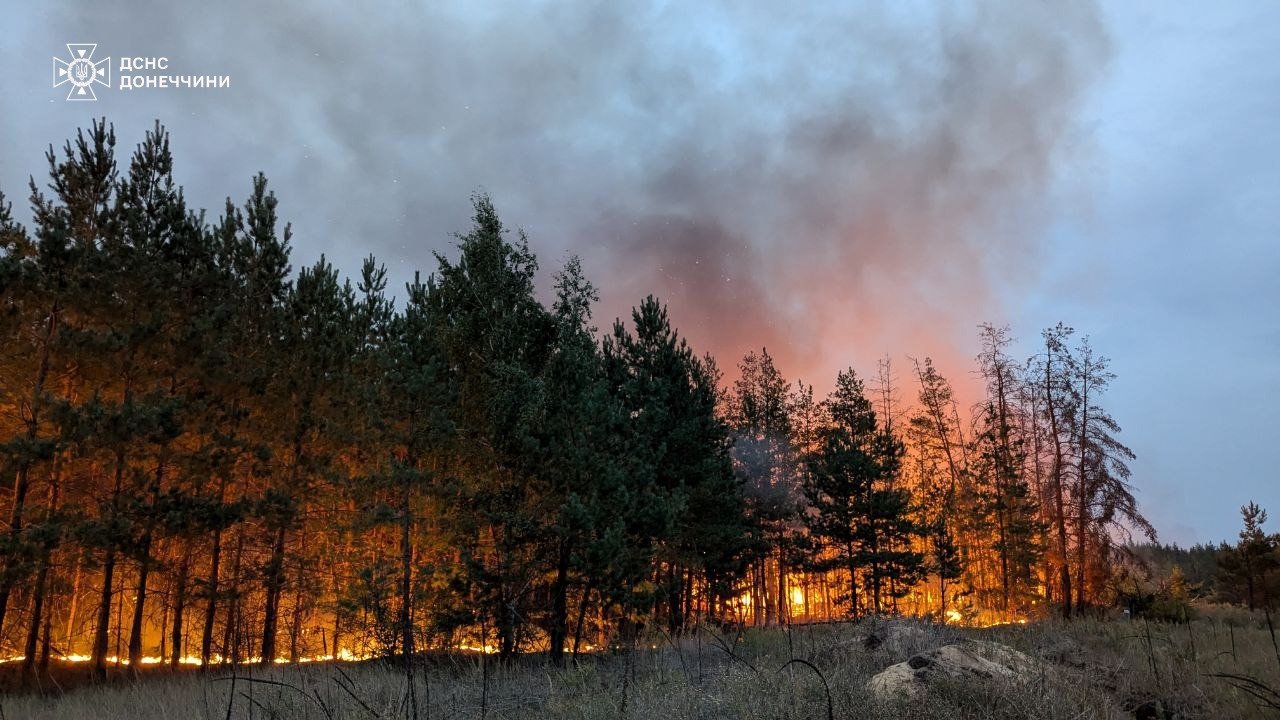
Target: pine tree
{"points": [[319, 340], [172, 262], [1249, 572], [582, 431], [760, 418], [1004, 497], [1051, 373], [1104, 503], [498, 338], [944, 562], [682, 461], [118, 231], [236, 371], [40, 278], [863, 522], [405, 421], [944, 472], [713, 531]]}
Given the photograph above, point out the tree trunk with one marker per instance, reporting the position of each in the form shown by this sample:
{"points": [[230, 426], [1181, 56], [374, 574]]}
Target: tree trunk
{"points": [[1003, 485], [560, 605], [1055, 477], [295, 624], [102, 631], [582, 614], [1082, 488], [942, 596], [853, 581], [45, 642], [337, 633], [139, 604], [876, 570], [21, 483], [39, 611], [1004, 562], [506, 627], [211, 603], [688, 611], [406, 578], [145, 560], [179, 604], [674, 596], [30, 648], [783, 601], [274, 585], [144, 574], [69, 641], [231, 637]]}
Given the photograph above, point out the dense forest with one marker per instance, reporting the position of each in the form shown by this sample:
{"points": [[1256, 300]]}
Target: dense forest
{"points": [[216, 459]]}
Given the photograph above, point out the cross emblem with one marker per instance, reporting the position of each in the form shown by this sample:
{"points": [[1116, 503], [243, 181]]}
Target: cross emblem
{"points": [[81, 71]]}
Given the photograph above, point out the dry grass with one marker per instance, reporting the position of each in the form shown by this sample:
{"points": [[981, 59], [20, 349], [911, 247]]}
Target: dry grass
{"points": [[1096, 669]]}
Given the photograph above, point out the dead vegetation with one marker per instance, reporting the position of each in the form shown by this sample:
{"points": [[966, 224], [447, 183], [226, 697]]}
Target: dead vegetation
{"points": [[1221, 666]]}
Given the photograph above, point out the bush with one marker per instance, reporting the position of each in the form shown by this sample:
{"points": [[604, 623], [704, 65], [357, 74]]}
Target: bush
{"points": [[1168, 601]]}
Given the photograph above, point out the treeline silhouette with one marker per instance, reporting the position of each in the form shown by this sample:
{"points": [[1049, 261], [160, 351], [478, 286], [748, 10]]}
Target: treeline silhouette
{"points": [[1245, 573], [216, 459]]}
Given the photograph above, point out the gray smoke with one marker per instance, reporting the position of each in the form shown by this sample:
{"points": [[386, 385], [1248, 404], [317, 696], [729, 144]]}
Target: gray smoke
{"points": [[832, 182]]}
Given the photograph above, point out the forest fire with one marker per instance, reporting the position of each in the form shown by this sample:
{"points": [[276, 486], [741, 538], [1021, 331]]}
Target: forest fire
{"points": [[642, 360], [111, 659], [192, 660], [323, 475]]}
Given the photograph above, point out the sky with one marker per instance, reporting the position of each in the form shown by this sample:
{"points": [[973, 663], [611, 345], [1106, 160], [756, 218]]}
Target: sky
{"points": [[836, 182]]}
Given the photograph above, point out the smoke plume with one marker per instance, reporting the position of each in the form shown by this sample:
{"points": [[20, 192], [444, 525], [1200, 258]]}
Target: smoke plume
{"points": [[834, 183]]}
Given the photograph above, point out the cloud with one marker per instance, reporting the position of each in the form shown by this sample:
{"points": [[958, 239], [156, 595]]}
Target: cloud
{"points": [[833, 182]]}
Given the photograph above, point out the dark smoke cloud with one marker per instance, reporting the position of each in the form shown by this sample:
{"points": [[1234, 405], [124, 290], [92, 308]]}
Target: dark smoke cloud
{"points": [[835, 183]]}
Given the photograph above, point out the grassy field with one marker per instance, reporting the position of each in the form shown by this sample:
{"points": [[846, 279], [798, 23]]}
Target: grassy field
{"points": [[1091, 669]]}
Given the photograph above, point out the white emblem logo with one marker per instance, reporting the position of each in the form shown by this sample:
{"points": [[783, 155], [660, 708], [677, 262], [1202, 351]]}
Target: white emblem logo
{"points": [[82, 72]]}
